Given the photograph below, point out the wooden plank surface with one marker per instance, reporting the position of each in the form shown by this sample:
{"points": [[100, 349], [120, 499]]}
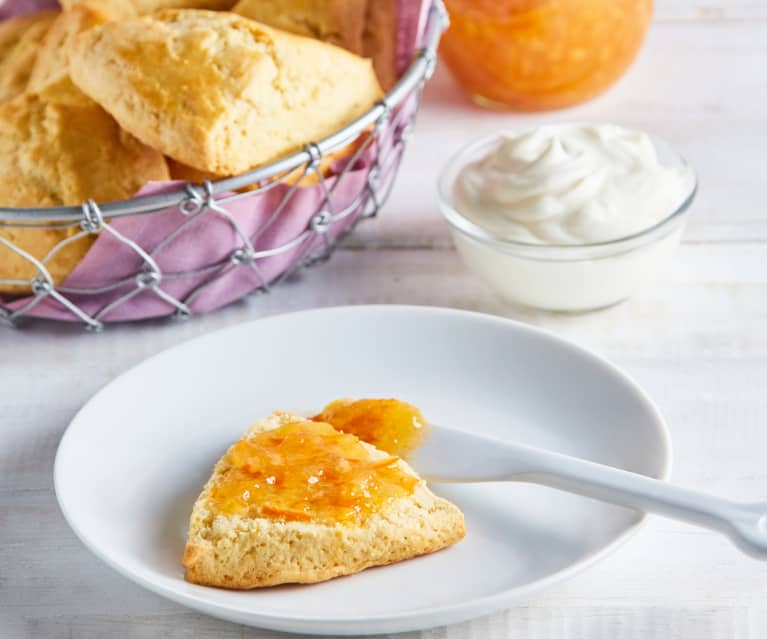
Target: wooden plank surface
{"points": [[697, 343]]}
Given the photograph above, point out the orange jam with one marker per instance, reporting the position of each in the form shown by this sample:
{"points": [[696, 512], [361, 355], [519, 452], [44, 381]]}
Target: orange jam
{"points": [[388, 424], [308, 471], [542, 54]]}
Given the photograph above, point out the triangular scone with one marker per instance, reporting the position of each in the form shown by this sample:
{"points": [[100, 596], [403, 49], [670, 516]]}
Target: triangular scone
{"points": [[219, 92], [142, 7], [58, 147], [235, 551], [340, 22], [51, 63], [116, 8], [148, 6], [20, 42], [365, 27]]}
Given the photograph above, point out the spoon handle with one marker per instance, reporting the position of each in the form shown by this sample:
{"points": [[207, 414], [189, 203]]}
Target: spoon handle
{"points": [[745, 524]]}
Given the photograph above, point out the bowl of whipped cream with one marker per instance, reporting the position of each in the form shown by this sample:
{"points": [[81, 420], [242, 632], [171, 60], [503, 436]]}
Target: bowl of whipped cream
{"points": [[567, 217]]}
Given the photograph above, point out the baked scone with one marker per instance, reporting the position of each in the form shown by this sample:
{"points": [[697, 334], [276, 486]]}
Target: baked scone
{"points": [[219, 92], [142, 7], [51, 63], [237, 540], [116, 8], [20, 42], [365, 27], [330, 165], [179, 171], [148, 6], [379, 39], [58, 147], [340, 22]]}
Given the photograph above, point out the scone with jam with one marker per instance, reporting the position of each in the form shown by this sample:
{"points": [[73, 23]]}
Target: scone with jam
{"points": [[298, 501]]}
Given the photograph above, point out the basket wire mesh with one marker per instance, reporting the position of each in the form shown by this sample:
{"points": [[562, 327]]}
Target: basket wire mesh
{"points": [[387, 126]]}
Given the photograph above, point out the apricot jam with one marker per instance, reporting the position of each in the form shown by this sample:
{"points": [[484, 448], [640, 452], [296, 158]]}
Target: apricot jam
{"points": [[388, 424], [541, 54], [308, 471]]}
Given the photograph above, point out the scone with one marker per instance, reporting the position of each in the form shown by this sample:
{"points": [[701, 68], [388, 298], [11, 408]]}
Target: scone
{"points": [[297, 501], [330, 165], [365, 27], [340, 22], [118, 8], [379, 39], [51, 62], [20, 42], [180, 171], [142, 7], [58, 147], [218, 92], [148, 6]]}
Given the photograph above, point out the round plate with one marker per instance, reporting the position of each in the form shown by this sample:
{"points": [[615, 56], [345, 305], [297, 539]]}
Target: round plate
{"points": [[135, 457]]}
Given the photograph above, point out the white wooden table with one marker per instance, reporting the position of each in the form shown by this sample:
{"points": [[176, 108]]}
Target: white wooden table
{"points": [[698, 344]]}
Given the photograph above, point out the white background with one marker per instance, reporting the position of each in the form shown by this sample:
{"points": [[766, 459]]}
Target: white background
{"points": [[697, 343]]}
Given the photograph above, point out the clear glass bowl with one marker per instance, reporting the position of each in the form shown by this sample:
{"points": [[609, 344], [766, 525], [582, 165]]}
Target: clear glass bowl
{"points": [[563, 277]]}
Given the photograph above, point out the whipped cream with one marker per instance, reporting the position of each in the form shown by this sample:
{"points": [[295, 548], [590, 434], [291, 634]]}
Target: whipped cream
{"points": [[571, 184]]}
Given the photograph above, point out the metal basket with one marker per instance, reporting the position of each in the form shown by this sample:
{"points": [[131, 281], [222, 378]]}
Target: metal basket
{"points": [[386, 126]]}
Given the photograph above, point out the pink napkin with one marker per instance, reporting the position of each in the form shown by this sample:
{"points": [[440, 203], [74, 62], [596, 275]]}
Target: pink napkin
{"points": [[210, 239], [11, 8]]}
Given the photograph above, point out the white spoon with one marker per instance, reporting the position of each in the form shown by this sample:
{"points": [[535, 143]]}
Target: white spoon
{"points": [[448, 455]]}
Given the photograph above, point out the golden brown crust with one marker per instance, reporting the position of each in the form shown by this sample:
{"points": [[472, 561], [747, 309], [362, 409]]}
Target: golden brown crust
{"points": [[149, 6], [179, 171], [326, 169], [38, 242], [20, 42], [243, 553], [116, 8], [142, 7], [365, 27], [340, 22], [260, 553], [51, 63], [380, 40], [58, 147], [218, 92]]}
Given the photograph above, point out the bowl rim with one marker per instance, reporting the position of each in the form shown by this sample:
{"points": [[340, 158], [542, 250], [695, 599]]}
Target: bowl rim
{"points": [[461, 223]]}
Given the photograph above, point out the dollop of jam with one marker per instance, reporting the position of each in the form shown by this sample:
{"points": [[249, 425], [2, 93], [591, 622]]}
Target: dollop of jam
{"points": [[388, 424], [308, 471]]}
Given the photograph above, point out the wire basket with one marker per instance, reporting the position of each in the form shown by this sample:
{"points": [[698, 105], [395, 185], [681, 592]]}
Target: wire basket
{"points": [[268, 222]]}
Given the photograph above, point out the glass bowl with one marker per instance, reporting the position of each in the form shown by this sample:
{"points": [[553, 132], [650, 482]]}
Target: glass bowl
{"points": [[563, 277]]}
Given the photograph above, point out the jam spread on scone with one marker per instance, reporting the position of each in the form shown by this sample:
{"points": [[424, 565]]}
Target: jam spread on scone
{"points": [[308, 471], [388, 424], [300, 501]]}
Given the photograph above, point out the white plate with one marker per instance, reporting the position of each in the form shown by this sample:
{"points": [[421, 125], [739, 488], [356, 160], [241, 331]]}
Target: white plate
{"points": [[133, 460]]}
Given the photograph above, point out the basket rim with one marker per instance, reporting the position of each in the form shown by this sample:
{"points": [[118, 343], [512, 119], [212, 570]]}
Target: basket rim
{"points": [[419, 70]]}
